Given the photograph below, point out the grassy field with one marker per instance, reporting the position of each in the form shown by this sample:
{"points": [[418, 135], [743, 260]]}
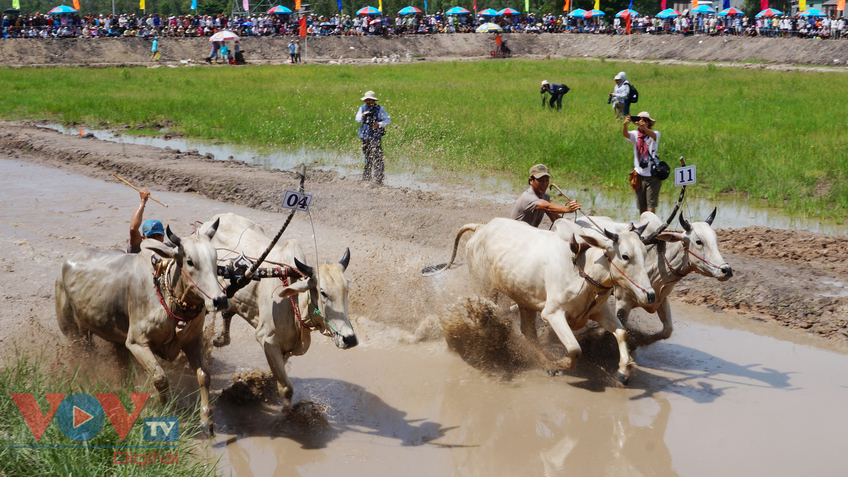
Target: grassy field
{"points": [[55, 454], [771, 136]]}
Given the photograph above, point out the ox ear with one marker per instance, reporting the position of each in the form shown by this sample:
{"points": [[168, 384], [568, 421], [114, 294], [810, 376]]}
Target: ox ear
{"points": [[575, 247], [171, 236], [301, 286], [671, 237], [304, 269], [711, 217], [345, 259], [214, 228], [592, 241], [159, 248], [683, 223]]}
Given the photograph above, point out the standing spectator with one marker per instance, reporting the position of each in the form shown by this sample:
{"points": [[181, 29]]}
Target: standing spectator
{"points": [[645, 141], [557, 91], [374, 120], [154, 49], [297, 51], [291, 51], [216, 45], [620, 96]]}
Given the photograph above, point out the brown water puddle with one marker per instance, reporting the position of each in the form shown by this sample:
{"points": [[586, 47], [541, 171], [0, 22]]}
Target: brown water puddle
{"points": [[712, 400]]}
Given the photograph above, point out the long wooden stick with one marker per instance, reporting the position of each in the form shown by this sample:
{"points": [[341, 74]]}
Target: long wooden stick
{"points": [[136, 188], [581, 210]]}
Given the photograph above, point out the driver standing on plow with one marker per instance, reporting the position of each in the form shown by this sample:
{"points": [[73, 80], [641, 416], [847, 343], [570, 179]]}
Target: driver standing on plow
{"points": [[534, 203], [152, 229]]}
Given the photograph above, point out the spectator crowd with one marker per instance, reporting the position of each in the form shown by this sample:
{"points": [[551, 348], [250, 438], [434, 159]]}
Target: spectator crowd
{"points": [[130, 25]]}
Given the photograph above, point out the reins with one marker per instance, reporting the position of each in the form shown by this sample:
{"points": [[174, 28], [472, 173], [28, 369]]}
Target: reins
{"points": [[183, 307], [624, 275]]}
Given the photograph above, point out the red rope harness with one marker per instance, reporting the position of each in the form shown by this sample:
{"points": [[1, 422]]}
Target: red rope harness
{"points": [[702, 259], [296, 309], [625, 276]]}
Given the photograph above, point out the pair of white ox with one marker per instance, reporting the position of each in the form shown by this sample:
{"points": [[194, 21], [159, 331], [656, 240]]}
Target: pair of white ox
{"points": [[158, 310], [568, 274]]}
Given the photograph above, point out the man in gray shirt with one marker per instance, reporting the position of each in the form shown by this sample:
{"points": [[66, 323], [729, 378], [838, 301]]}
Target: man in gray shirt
{"points": [[534, 203]]}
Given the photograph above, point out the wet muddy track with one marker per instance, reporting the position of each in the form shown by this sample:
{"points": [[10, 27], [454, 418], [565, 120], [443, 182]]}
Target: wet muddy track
{"points": [[793, 278]]}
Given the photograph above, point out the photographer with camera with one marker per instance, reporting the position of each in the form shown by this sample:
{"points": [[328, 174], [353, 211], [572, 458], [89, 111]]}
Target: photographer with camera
{"points": [[620, 96], [374, 120], [645, 141], [557, 91]]}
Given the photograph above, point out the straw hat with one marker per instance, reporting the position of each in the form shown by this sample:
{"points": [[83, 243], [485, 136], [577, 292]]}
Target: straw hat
{"points": [[370, 95]]}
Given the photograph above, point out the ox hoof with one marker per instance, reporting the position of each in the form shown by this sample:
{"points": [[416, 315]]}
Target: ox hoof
{"points": [[623, 378], [221, 341]]}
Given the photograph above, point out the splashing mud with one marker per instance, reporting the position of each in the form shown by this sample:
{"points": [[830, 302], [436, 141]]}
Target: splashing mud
{"points": [[251, 386]]}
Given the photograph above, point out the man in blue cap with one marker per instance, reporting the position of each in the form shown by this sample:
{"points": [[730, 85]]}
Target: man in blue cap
{"points": [[151, 229]]}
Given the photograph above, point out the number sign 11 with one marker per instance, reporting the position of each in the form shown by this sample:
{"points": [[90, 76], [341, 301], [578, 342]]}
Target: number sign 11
{"points": [[684, 176], [296, 201]]}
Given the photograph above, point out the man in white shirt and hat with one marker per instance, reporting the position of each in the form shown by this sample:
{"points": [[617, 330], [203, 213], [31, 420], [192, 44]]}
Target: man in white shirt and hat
{"points": [[374, 120]]}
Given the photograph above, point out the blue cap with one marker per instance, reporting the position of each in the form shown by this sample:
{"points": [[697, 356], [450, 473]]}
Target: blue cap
{"points": [[152, 227]]}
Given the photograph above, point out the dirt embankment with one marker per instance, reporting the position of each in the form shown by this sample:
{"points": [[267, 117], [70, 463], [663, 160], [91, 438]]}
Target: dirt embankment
{"points": [[796, 279], [136, 51]]}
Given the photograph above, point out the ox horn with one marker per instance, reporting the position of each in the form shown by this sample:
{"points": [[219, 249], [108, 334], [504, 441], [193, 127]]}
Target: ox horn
{"points": [[711, 217], [639, 230], [611, 236], [683, 223], [304, 269], [345, 259], [214, 228], [173, 238]]}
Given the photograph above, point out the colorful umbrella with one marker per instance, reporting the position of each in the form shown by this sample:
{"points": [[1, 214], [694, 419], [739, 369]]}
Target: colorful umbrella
{"points": [[594, 13], [812, 12], [409, 11], [730, 11], [225, 35], [703, 9], [633, 13], [668, 13], [509, 11], [489, 12], [368, 11], [61, 9], [769, 12], [279, 10], [457, 11], [488, 28], [577, 13]]}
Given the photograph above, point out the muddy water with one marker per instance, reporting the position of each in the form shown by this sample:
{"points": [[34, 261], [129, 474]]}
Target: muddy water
{"points": [[731, 214], [723, 396]]}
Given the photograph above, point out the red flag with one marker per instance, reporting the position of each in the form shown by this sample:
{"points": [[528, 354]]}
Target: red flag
{"points": [[627, 20], [763, 4], [663, 5], [296, 5], [567, 4], [475, 5], [76, 4], [840, 5], [302, 29]]}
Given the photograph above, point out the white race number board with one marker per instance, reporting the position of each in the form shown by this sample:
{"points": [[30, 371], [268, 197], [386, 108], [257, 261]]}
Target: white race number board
{"points": [[684, 176], [296, 201]]}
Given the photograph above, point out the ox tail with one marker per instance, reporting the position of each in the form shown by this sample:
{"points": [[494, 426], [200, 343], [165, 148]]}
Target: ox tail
{"points": [[434, 269]]}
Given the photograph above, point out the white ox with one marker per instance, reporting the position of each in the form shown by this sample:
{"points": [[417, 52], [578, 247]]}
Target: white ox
{"points": [[114, 296], [534, 268], [267, 306], [695, 250]]}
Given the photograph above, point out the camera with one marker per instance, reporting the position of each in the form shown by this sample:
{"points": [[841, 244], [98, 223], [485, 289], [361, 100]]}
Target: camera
{"points": [[609, 99]]}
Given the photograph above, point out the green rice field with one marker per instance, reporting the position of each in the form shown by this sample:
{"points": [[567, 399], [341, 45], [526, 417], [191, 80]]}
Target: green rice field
{"points": [[772, 137]]}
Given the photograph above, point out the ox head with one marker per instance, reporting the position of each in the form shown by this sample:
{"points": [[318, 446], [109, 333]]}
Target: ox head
{"points": [[196, 256], [328, 290], [625, 253], [701, 240]]}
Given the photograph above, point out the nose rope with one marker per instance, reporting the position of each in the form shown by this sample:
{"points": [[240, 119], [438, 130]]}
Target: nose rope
{"points": [[625, 276], [702, 259], [192, 282]]}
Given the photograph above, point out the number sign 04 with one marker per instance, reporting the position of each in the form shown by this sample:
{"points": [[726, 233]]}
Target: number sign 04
{"points": [[684, 176], [296, 201]]}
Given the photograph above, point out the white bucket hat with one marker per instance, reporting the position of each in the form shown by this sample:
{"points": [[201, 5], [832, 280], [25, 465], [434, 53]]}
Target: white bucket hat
{"points": [[370, 95], [544, 82], [621, 76]]}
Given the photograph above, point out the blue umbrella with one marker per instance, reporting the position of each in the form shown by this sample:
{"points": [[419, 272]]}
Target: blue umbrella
{"points": [[489, 12], [668, 13], [577, 13], [703, 9], [633, 13], [509, 11], [594, 13], [457, 11], [769, 12], [368, 11], [812, 12], [61, 9], [409, 11], [730, 11], [279, 10]]}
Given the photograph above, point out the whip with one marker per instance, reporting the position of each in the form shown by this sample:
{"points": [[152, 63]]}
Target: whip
{"points": [[136, 188]]}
